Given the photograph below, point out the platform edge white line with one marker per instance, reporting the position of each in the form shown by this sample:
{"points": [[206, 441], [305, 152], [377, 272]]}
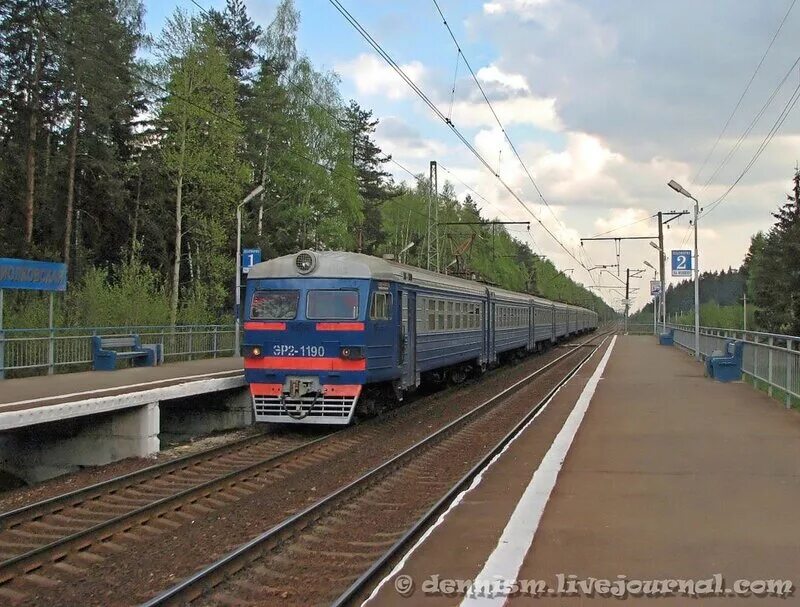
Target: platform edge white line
{"points": [[475, 482], [506, 560]]}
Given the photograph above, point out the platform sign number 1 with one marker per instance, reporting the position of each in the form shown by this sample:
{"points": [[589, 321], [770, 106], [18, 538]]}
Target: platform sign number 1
{"points": [[681, 262], [250, 257]]}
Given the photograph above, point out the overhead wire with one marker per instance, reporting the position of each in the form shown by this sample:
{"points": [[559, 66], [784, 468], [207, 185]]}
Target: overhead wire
{"points": [[764, 143], [744, 92], [751, 125], [494, 113], [432, 106], [627, 225]]}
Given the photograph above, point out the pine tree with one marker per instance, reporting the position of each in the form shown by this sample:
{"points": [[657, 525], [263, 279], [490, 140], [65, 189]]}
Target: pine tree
{"points": [[374, 183]]}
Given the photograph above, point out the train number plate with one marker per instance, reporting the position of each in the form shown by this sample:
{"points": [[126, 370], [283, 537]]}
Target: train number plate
{"points": [[289, 350]]}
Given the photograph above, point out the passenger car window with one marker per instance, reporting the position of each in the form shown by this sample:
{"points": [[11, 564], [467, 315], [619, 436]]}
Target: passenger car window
{"points": [[332, 305], [380, 308], [274, 305]]}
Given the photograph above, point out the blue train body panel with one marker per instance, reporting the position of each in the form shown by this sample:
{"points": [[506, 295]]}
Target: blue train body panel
{"points": [[320, 326]]}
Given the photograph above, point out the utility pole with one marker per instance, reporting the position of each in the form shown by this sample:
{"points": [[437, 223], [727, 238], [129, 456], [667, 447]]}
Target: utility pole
{"points": [[696, 285], [433, 217], [744, 319], [435, 197], [627, 295], [683, 192], [661, 257], [662, 253]]}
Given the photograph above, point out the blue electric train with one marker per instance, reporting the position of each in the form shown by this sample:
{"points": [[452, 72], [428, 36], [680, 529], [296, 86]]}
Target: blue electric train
{"points": [[327, 333]]}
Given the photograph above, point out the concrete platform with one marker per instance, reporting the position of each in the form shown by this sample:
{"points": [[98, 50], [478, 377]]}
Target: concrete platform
{"points": [[51, 389], [669, 476], [55, 424]]}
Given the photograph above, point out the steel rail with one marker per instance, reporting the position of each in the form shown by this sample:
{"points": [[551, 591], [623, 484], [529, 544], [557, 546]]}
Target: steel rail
{"points": [[82, 539], [423, 522], [52, 505], [215, 573]]}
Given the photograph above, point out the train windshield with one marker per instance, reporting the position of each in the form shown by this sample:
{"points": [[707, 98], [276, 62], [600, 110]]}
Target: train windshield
{"points": [[332, 305], [274, 305]]}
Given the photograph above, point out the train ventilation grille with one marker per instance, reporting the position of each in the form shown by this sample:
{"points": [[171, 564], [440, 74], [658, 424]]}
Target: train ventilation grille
{"points": [[328, 409]]}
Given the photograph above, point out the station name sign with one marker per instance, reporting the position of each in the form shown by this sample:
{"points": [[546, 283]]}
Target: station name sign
{"points": [[32, 275]]}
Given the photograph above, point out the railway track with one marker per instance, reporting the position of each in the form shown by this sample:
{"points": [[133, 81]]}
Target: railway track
{"points": [[86, 520], [333, 549], [55, 540]]}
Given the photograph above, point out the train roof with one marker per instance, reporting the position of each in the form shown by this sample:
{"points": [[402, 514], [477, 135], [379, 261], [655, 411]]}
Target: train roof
{"points": [[342, 264]]}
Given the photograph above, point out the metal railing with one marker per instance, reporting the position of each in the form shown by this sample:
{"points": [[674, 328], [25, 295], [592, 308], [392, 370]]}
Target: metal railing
{"points": [[639, 328], [38, 351], [769, 358]]}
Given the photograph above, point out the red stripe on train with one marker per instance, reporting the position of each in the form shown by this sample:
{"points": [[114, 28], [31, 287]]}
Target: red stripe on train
{"points": [[340, 326], [254, 325], [305, 363], [328, 390]]}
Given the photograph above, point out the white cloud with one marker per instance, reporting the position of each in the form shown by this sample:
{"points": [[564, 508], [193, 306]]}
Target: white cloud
{"points": [[524, 7], [372, 76], [404, 141], [492, 73], [530, 110], [610, 81]]}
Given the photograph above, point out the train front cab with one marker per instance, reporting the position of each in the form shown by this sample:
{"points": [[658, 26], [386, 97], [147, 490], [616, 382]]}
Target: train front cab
{"points": [[311, 345]]}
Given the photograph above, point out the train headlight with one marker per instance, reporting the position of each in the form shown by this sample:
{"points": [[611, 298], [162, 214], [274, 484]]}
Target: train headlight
{"points": [[351, 352], [305, 262], [252, 351]]}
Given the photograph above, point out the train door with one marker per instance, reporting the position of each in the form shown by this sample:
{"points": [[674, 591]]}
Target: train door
{"points": [[490, 326], [552, 323], [408, 336], [531, 326]]}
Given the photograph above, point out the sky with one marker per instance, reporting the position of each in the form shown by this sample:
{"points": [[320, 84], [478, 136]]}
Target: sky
{"points": [[605, 102]]}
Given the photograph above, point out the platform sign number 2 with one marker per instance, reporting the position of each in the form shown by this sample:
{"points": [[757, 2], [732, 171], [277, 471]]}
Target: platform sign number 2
{"points": [[250, 257], [682, 262]]}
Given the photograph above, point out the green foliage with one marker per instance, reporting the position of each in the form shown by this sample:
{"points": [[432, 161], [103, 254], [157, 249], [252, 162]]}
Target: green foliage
{"points": [[474, 249], [163, 152], [772, 266]]}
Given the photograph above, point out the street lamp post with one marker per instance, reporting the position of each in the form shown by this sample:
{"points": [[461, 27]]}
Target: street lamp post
{"points": [[656, 300], [681, 190], [238, 295]]}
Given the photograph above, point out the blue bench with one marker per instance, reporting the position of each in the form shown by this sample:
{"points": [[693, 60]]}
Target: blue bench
{"points": [[667, 339], [726, 365], [107, 350]]}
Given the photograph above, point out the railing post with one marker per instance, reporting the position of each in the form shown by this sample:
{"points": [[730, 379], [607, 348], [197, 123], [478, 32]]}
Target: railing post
{"points": [[51, 350], [755, 359], [191, 342], [789, 364], [214, 342], [2, 341], [769, 365]]}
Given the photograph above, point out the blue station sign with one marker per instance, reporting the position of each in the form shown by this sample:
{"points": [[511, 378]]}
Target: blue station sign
{"points": [[32, 275], [250, 257], [682, 262]]}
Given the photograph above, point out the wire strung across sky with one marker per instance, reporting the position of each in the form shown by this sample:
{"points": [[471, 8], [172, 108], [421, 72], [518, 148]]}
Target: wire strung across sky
{"points": [[764, 143], [627, 225], [741, 97], [432, 106], [494, 113]]}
